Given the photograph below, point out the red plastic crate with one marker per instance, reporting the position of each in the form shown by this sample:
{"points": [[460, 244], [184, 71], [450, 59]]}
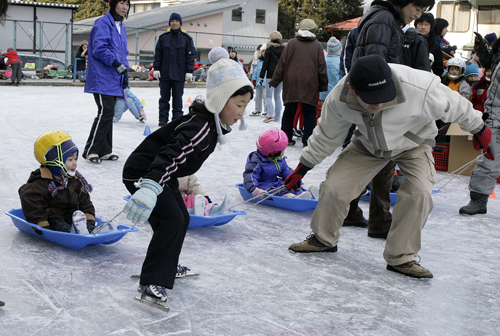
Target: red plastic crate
{"points": [[441, 159]]}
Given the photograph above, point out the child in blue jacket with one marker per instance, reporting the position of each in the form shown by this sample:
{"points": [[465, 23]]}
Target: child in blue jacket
{"points": [[132, 103], [266, 168], [333, 50], [260, 87]]}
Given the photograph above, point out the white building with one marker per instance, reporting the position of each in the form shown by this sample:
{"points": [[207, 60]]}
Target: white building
{"points": [[211, 23], [24, 32]]}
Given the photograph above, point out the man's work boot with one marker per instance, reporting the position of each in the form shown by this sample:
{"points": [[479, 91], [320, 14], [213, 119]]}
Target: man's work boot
{"points": [[311, 244]]}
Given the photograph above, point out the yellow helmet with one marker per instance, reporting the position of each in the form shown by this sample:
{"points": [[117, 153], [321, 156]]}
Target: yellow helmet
{"points": [[48, 140]]}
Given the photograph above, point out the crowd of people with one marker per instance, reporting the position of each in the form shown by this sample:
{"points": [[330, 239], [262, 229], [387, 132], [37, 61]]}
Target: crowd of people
{"points": [[380, 97]]}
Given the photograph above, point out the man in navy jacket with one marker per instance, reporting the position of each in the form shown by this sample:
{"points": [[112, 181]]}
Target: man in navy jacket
{"points": [[173, 64]]}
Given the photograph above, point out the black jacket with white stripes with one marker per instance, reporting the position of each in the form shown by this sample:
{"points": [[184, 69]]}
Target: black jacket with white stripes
{"points": [[175, 150]]}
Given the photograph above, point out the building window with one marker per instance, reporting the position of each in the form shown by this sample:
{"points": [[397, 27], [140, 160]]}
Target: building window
{"points": [[260, 16], [489, 15], [237, 14], [456, 13]]}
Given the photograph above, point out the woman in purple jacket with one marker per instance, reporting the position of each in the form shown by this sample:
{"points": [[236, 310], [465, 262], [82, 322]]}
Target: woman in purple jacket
{"points": [[107, 75]]}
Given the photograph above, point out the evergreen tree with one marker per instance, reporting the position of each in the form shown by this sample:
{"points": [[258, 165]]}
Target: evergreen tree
{"points": [[323, 12], [88, 8]]}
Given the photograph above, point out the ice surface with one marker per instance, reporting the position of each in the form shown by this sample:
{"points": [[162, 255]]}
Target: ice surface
{"points": [[250, 284]]}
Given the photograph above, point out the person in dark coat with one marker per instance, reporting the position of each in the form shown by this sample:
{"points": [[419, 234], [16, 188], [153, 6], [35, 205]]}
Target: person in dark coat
{"points": [[380, 33], [302, 69], [174, 65], [347, 49], [415, 50], [489, 58], [81, 64], [107, 75], [425, 25], [274, 50]]}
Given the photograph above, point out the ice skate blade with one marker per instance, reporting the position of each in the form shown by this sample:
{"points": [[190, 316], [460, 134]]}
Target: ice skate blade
{"points": [[188, 274], [152, 302]]}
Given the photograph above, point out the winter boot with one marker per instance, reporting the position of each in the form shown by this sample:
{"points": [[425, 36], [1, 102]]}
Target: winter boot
{"points": [[199, 205], [477, 204], [79, 223], [228, 202], [304, 195], [255, 113], [411, 269], [311, 244]]}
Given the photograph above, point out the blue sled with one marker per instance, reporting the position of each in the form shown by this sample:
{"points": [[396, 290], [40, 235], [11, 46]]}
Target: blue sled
{"points": [[393, 196], [293, 204], [71, 241], [211, 220]]}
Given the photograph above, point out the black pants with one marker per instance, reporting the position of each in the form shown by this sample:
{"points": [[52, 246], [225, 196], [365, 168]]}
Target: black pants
{"points": [[169, 221], [17, 73], [380, 218], [100, 140], [309, 112], [59, 224], [176, 89]]}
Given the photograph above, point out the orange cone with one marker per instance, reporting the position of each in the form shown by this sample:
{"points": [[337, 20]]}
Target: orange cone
{"points": [[190, 100], [493, 195]]}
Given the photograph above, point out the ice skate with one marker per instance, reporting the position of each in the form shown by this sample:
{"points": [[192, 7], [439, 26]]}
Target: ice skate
{"points": [[154, 296], [182, 271], [199, 205], [79, 223]]}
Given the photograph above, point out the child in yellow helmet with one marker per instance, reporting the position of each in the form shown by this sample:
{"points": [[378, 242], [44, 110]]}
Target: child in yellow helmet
{"points": [[56, 195]]}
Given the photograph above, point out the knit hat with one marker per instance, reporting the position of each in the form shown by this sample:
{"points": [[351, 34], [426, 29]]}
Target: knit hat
{"points": [[67, 148], [333, 46], [472, 70], [371, 78], [448, 52], [224, 78], [175, 16], [308, 24], [275, 35], [217, 53], [491, 37]]}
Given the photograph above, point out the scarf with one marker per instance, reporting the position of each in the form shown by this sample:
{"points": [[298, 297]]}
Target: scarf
{"points": [[54, 188]]}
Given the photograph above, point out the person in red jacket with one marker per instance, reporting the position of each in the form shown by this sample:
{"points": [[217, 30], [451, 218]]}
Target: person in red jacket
{"points": [[15, 64], [480, 91]]}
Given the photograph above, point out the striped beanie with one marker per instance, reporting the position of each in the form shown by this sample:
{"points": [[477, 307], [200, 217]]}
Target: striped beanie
{"points": [[333, 46]]}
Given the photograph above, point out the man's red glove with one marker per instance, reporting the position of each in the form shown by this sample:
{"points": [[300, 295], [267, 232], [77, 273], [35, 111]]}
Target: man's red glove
{"points": [[254, 82], [481, 141], [293, 180]]}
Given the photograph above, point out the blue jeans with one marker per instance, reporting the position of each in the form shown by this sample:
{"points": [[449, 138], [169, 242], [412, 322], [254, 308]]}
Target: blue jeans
{"points": [[123, 105], [274, 111]]}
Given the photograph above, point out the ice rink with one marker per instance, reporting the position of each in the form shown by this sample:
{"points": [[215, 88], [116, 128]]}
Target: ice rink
{"points": [[250, 284]]}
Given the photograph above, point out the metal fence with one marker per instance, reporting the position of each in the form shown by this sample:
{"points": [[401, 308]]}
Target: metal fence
{"points": [[62, 40]]}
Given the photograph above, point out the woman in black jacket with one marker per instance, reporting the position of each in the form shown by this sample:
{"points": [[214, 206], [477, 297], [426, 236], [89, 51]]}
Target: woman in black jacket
{"points": [[274, 49]]}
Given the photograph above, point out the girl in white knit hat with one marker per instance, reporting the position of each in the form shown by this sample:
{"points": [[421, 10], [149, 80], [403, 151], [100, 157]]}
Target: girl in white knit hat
{"points": [[179, 149]]}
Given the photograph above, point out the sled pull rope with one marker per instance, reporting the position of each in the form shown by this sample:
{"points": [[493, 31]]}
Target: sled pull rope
{"points": [[99, 228], [457, 172], [271, 193]]}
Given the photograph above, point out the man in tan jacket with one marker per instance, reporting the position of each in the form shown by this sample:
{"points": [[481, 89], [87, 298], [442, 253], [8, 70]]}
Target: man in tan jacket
{"points": [[394, 108]]}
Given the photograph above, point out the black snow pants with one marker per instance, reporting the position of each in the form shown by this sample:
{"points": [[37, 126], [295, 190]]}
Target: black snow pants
{"points": [[169, 221]]}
